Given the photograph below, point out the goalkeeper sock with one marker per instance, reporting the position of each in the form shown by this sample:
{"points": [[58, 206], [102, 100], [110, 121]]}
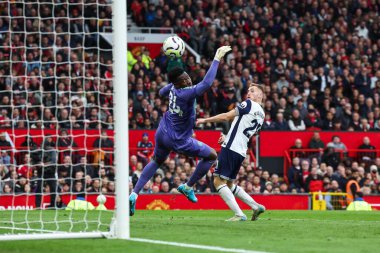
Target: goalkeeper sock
{"points": [[230, 200], [243, 196], [201, 170], [146, 175]]}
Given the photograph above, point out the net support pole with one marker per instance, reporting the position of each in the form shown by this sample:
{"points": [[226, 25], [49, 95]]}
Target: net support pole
{"points": [[120, 69]]}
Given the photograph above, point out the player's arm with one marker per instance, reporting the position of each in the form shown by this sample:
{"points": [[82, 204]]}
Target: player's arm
{"points": [[207, 81], [165, 90], [228, 116]]}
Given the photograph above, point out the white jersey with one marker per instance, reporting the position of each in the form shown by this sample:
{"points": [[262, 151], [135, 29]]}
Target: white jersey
{"points": [[247, 123]]}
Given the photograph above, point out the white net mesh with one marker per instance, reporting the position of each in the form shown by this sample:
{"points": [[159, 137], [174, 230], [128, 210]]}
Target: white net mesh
{"points": [[56, 99]]}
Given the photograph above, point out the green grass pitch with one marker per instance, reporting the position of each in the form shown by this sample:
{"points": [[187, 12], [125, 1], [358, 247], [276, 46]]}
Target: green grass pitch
{"points": [[275, 231]]}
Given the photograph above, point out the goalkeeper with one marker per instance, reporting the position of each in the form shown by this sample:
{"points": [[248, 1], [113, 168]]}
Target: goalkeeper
{"points": [[176, 128]]}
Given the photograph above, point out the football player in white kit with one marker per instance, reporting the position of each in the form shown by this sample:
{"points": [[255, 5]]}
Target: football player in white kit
{"points": [[248, 118]]}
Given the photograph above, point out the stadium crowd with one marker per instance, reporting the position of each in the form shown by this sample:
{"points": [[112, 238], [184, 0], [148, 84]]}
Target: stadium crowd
{"points": [[55, 74], [319, 62]]}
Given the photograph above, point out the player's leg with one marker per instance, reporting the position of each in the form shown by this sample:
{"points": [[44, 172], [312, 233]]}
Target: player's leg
{"points": [[223, 190], [146, 175], [203, 166], [161, 152], [246, 198], [229, 163], [195, 148]]}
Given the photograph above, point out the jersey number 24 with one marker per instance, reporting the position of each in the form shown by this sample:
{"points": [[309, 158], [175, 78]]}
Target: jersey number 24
{"points": [[249, 131]]}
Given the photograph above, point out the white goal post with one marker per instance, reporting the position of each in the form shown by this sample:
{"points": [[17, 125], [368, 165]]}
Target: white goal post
{"points": [[121, 123], [62, 224]]}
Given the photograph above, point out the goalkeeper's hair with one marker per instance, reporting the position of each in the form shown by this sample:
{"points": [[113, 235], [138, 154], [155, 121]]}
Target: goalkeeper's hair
{"points": [[174, 74]]}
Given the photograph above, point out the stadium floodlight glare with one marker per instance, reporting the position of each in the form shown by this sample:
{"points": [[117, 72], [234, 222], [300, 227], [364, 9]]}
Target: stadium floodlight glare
{"points": [[52, 42]]}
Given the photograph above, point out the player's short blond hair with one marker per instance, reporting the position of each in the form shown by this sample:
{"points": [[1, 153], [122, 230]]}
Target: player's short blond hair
{"points": [[261, 87]]}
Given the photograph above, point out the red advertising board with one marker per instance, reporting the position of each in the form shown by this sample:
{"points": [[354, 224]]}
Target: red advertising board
{"points": [[167, 202], [283, 140], [177, 202], [86, 138], [273, 143], [215, 202]]}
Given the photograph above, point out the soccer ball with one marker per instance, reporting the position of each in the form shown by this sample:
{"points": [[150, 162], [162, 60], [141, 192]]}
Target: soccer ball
{"points": [[174, 47], [101, 199]]}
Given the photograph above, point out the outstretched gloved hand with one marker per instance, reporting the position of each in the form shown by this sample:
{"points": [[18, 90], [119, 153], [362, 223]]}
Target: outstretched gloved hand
{"points": [[221, 52]]}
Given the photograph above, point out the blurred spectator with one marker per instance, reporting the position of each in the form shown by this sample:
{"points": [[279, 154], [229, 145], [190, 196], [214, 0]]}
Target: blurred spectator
{"points": [[256, 186], [330, 157], [314, 182], [337, 144], [296, 123], [157, 181], [340, 176], [316, 142], [305, 166], [144, 149], [334, 202], [66, 143], [368, 155], [4, 143], [298, 146], [374, 176], [7, 189], [165, 187], [284, 188], [50, 149], [87, 169], [312, 120], [280, 123], [132, 163], [32, 148], [26, 170], [268, 187], [96, 186], [46, 180], [101, 143], [295, 175], [5, 158]]}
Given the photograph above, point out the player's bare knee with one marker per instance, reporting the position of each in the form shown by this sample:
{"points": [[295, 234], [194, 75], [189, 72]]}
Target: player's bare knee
{"points": [[230, 184], [219, 181]]}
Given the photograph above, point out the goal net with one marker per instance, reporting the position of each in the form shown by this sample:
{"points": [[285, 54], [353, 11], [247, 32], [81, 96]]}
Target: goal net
{"points": [[57, 118]]}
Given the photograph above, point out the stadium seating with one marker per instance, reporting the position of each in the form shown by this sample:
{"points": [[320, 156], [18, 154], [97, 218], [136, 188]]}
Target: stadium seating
{"points": [[326, 78]]}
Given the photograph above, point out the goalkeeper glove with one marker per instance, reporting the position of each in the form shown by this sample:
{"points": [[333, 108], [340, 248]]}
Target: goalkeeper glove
{"points": [[221, 52]]}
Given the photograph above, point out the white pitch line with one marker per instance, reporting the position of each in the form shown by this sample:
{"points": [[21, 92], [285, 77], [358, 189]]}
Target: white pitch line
{"points": [[195, 246], [331, 221]]}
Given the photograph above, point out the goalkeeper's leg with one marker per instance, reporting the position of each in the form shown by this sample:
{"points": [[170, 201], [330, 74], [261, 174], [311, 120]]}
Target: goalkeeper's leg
{"points": [[160, 154]]}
